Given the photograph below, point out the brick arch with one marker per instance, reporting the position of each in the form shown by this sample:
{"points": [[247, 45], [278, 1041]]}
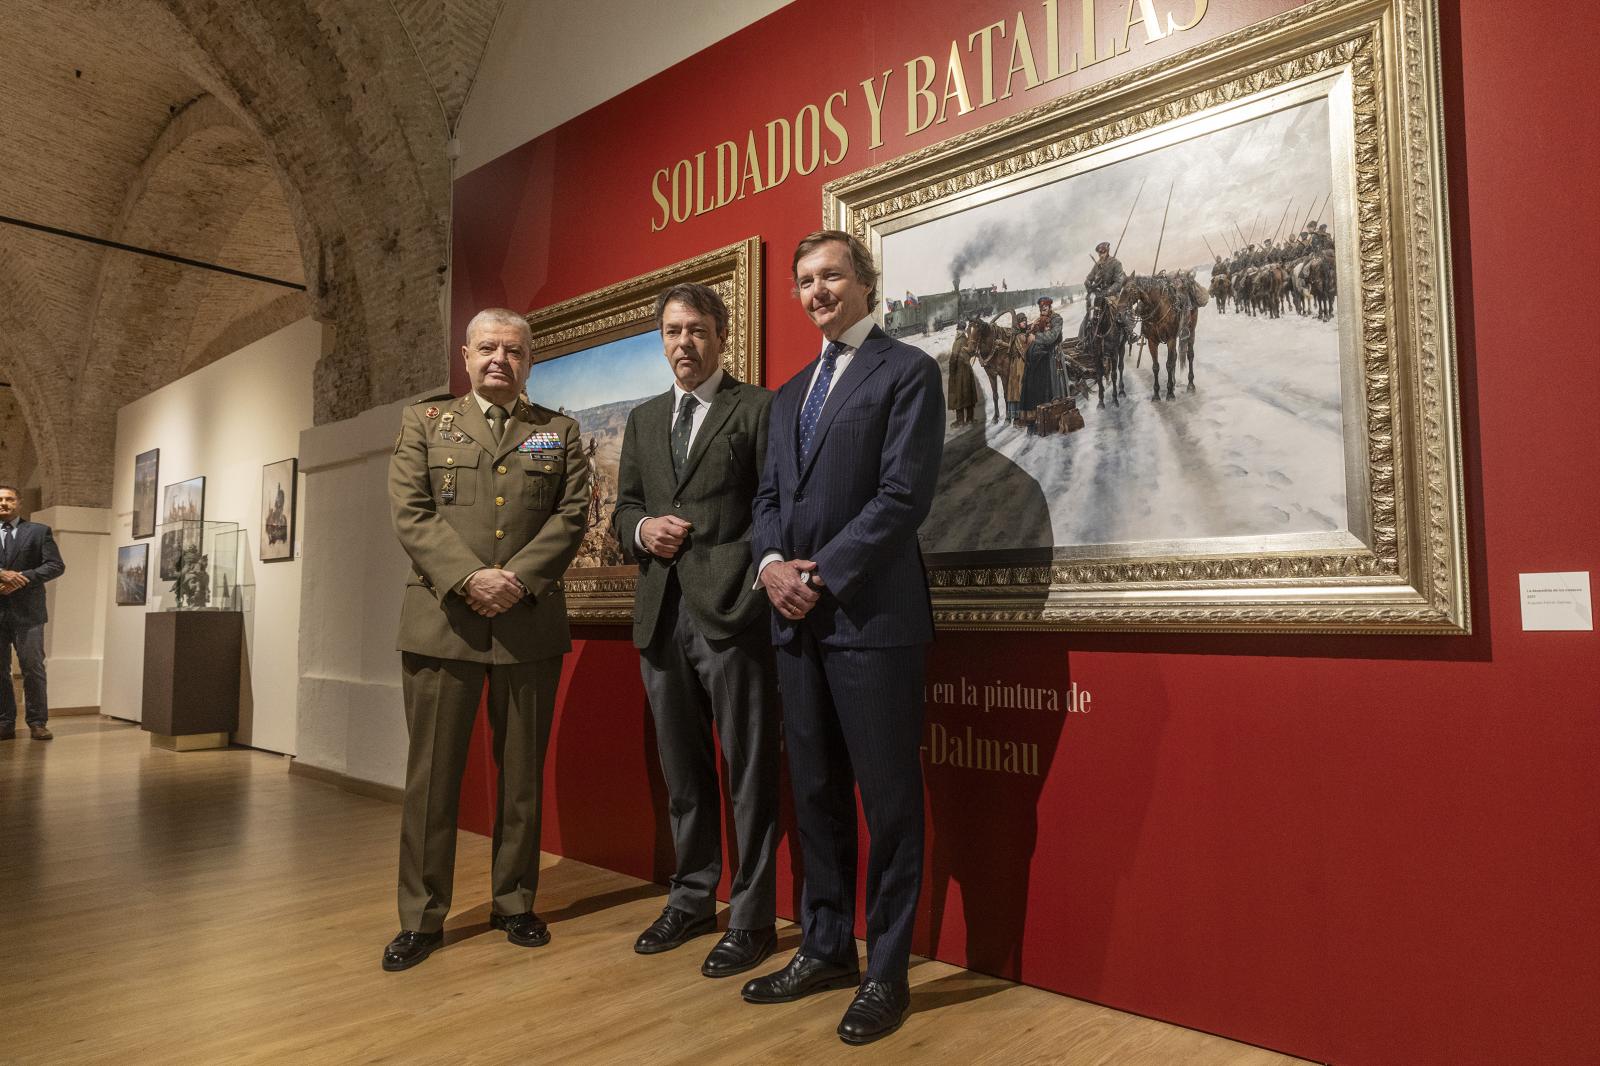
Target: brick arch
{"points": [[350, 121], [318, 124], [24, 345], [190, 193]]}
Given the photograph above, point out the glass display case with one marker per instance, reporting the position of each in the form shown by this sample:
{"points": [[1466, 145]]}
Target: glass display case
{"points": [[202, 566]]}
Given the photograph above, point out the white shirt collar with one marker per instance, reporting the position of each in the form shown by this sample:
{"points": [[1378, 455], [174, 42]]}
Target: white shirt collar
{"points": [[853, 337], [706, 391]]}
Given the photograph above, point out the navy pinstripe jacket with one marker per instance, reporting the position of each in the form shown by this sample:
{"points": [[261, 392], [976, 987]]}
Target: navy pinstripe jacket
{"points": [[865, 489]]}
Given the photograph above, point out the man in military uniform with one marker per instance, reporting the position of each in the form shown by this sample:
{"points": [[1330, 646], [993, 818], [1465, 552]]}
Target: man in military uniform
{"points": [[489, 494], [1105, 278]]}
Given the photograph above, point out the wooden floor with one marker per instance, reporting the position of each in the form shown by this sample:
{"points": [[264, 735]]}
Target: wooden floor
{"points": [[207, 907]]}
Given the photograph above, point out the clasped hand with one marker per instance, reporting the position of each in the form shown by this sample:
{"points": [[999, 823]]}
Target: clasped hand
{"points": [[664, 536], [11, 581], [792, 595], [491, 592]]}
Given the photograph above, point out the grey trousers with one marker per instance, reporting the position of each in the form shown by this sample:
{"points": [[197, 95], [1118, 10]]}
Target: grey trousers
{"points": [[694, 683], [29, 642], [441, 702]]}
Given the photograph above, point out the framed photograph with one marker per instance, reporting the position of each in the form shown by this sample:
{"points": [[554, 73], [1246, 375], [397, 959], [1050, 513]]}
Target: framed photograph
{"points": [[1249, 422], [596, 358], [146, 468], [183, 514], [133, 562], [278, 482]]}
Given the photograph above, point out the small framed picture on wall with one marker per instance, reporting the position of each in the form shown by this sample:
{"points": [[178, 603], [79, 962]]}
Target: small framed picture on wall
{"points": [[183, 515], [278, 482], [133, 571], [146, 465]]}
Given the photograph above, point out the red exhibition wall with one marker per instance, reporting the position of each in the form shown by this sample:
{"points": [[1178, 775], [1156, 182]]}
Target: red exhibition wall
{"points": [[1353, 849]]}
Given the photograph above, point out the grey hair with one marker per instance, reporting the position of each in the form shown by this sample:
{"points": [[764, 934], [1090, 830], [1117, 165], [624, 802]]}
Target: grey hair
{"points": [[499, 316]]}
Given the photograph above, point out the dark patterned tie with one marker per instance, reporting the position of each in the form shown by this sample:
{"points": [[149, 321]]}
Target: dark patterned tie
{"points": [[681, 429], [817, 398]]}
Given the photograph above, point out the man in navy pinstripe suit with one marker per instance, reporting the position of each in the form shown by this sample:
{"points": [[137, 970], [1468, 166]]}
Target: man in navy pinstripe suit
{"points": [[853, 456]]}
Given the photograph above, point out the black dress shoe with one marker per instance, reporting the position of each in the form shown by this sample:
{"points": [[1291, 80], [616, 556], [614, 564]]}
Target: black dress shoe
{"points": [[740, 950], [525, 930], [410, 948], [671, 930], [877, 1011], [803, 976], [8, 734]]}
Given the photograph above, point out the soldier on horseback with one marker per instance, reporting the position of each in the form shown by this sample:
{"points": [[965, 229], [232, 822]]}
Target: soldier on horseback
{"points": [[1104, 279]]}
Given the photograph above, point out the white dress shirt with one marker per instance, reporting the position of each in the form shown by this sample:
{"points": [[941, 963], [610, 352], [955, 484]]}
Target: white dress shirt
{"points": [[705, 393], [852, 339]]}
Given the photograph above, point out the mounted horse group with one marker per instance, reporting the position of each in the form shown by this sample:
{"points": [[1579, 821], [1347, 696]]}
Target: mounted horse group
{"points": [[1260, 279]]}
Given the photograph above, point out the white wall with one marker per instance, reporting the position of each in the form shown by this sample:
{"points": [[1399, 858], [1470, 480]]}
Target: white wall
{"points": [[77, 601], [547, 63], [352, 719], [224, 421]]}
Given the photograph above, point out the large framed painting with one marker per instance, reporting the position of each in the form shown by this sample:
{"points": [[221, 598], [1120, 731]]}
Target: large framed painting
{"points": [[278, 482], [1249, 421], [146, 468], [183, 513], [596, 358], [133, 563]]}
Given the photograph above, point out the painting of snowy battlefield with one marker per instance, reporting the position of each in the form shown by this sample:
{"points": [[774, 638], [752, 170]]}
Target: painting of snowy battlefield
{"points": [[1258, 447], [599, 386]]}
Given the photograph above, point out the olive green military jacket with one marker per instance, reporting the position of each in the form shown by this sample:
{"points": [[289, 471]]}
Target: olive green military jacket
{"points": [[461, 503], [715, 493]]}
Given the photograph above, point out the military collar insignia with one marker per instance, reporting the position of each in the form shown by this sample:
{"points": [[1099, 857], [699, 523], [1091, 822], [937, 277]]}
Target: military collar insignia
{"points": [[432, 412]]}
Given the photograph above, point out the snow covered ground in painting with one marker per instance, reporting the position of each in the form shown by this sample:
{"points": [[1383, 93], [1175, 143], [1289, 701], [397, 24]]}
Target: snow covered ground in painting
{"points": [[1256, 449]]}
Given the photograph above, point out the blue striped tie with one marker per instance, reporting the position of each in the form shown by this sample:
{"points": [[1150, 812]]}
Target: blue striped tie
{"points": [[817, 398]]}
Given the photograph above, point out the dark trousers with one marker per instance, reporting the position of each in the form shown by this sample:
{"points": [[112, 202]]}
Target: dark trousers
{"points": [[693, 684], [853, 717], [441, 703], [29, 642]]}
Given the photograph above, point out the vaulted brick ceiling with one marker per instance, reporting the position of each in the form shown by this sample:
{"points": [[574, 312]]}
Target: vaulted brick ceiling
{"points": [[298, 139]]}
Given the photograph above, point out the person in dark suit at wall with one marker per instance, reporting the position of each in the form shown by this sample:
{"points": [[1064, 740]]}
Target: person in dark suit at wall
{"points": [[690, 461], [850, 473], [28, 558]]}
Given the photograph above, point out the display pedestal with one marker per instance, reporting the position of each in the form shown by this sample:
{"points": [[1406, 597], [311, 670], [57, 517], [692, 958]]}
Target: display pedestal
{"points": [[191, 678]]}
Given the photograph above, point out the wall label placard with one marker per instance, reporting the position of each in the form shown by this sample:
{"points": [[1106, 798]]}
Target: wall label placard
{"points": [[976, 745], [1017, 53]]}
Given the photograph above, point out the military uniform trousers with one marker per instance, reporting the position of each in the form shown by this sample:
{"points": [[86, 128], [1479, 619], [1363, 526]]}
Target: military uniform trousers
{"points": [[694, 683], [442, 698]]}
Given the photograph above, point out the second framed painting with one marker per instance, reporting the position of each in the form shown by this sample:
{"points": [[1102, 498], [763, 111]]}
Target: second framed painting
{"points": [[596, 358]]}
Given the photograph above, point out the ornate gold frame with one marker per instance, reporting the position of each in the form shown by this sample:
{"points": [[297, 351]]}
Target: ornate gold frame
{"points": [[605, 594], [1403, 569]]}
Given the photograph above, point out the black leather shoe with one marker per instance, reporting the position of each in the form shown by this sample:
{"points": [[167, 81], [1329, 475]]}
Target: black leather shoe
{"points": [[524, 930], [8, 734], [740, 950], [671, 930], [803, 976], [410, 948], [877, 1011]]}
